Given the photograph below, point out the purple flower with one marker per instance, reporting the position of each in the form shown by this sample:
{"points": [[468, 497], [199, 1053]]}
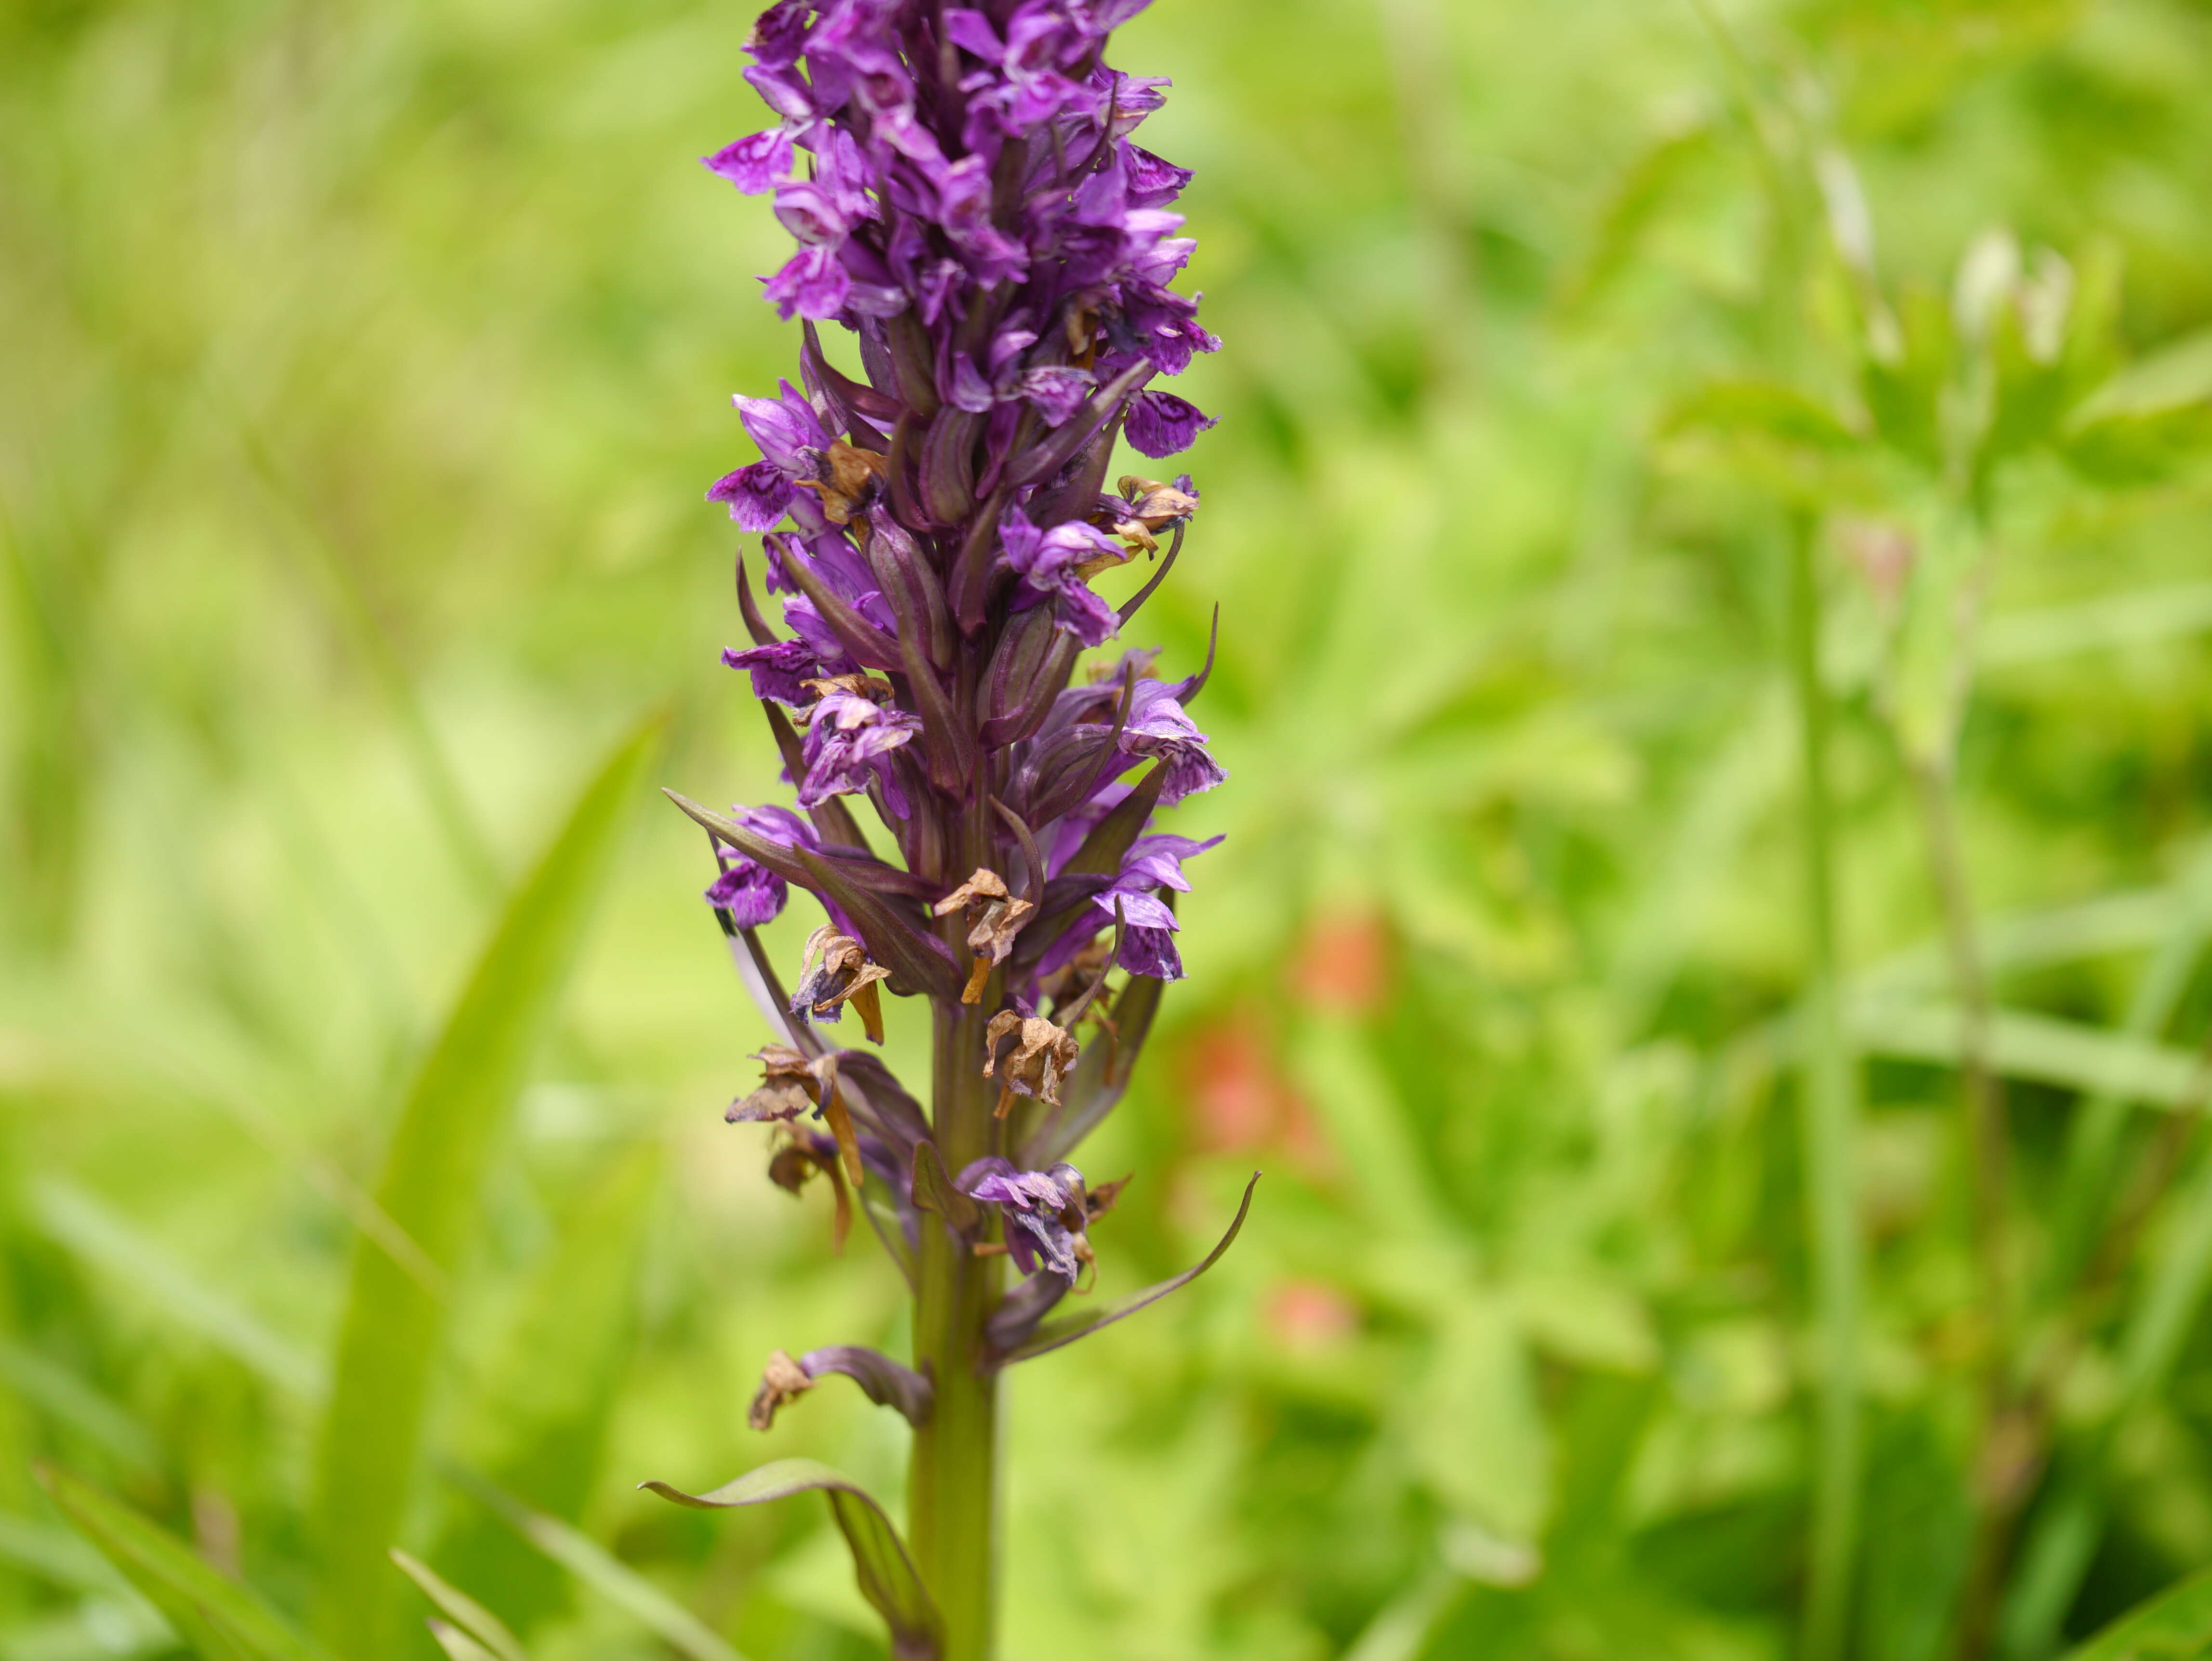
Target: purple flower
{"points": [[850, 741], [1160, 424], [1153, 862], [787, 428], [1054, 565], [778, 671], [963, 197], [753, 164], [1056, 390], [758, 494], [1158, 727], [813, 284], [752, 894], [1043, 1211]]}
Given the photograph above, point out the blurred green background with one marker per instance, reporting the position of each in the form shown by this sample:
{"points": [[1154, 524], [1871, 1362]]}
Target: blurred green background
{"points": [[365, 364]]}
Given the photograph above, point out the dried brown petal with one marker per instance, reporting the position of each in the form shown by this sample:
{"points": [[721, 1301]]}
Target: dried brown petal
{"points": [[985, 885], [783, 1381], [1043, 1055], [1155, 505], [779, 1101], [835, 969], [996, 918], [1097, 1202]]}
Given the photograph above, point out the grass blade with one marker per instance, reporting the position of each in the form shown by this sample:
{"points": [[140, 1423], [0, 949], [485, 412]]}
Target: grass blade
{"points": [[457, 1645], [483, 1627], [606, 1575], [96, 1234], [221, 1620], [459, 1102]]}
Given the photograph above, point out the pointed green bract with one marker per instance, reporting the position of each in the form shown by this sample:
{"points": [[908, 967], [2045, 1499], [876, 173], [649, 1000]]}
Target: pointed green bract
{"points": [[220, 1619], [486, 1630], [887, 1575], [1053, 1334], [459, 1102]]}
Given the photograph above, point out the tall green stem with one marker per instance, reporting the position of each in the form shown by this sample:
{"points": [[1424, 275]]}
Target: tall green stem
{"points": [[953, 1495], [1826, 1095]]}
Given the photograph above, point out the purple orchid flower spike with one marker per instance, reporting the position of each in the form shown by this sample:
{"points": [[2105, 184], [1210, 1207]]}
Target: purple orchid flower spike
{"points": [[967, 203]]}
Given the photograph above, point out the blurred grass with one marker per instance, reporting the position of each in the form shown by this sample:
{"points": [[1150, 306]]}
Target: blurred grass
{"points": [[365, 370]]}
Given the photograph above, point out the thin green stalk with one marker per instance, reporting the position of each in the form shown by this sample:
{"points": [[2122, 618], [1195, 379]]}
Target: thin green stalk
{"points": [[2010, 1443], [1827, 1095], [952, 1495], [1985, 1130]]}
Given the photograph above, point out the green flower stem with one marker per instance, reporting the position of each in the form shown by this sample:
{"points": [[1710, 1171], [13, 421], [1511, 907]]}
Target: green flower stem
{"points": [[1827, 1095], [953, 1493]]}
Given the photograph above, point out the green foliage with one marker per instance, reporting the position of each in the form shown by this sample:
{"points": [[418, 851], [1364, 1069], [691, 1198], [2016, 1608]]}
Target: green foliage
{"points": [[880, 1564], [221, 1620], [365, 367], [432, 1178]]}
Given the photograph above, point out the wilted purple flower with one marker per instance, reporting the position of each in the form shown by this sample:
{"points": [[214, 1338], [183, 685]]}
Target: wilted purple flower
{"points": [[1054, 565], [752, 894], [1043, 1211], [850, 743]]}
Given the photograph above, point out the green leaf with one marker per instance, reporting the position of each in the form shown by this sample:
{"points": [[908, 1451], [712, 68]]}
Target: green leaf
{"points": [[604, 1573], [1053, 1334], [2149, 418], [541, 1399], [1486, 1450], [887, 1575], [1761, 409], [2043, 1048], [2173, 378], [455, 1113], [88, 1227], [1903, 394], [221, 1620], [2171, 1626], [457, 1645], [485, 1629]]}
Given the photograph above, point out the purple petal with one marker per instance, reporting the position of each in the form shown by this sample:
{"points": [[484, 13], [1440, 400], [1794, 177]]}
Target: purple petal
{"points": [[758, 495], [778, 670], [753, 164], [1160, 424], [1056, 393], [812, 284]]}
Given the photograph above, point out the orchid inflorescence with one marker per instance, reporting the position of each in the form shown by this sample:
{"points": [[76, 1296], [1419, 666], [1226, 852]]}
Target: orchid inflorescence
{"points": [[969, 207]]}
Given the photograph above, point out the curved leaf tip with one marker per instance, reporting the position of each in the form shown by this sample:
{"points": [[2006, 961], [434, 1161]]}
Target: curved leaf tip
{"points": [[1053, 1334], [887, 1576]]}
